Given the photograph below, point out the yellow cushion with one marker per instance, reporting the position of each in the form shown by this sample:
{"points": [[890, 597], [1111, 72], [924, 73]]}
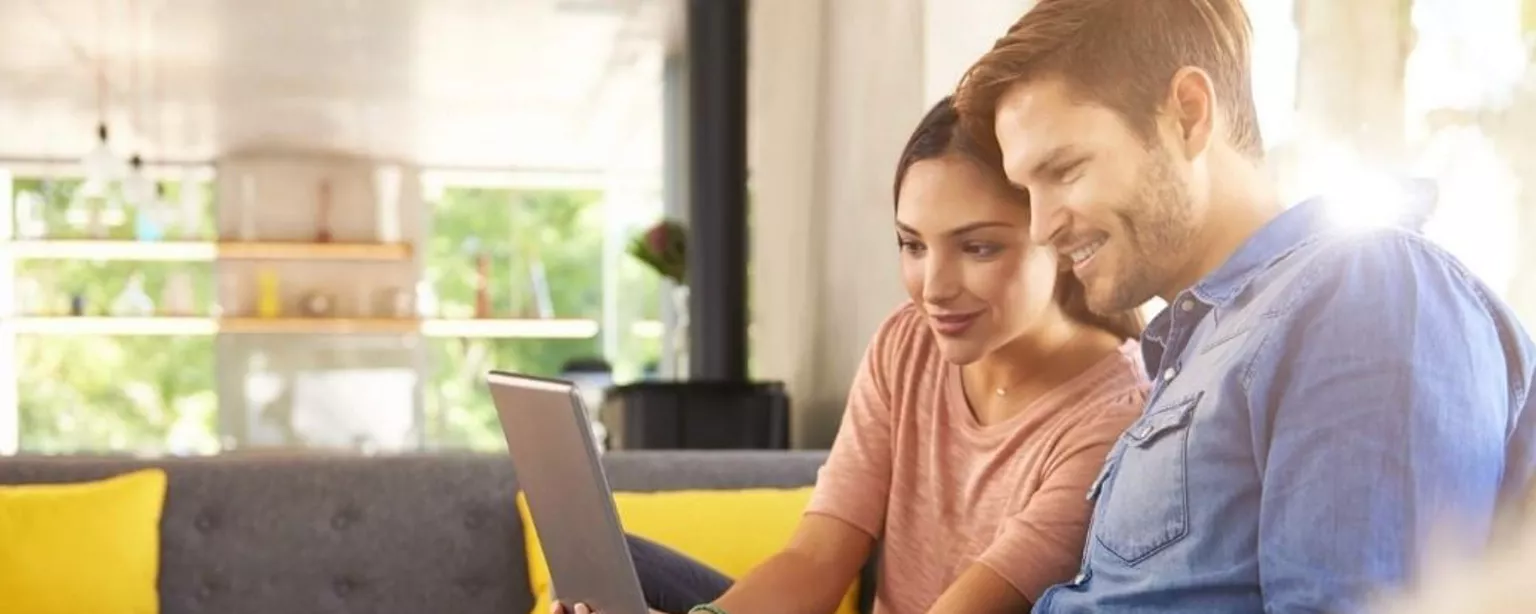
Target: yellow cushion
{"points": [[729, 530], [82, 547]]}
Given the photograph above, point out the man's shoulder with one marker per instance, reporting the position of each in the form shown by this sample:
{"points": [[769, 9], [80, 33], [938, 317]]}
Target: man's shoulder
{"points": [[1363, 267]]}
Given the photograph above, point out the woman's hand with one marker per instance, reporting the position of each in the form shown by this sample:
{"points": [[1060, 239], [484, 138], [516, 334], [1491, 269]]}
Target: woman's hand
{"points": [[580, 608]]}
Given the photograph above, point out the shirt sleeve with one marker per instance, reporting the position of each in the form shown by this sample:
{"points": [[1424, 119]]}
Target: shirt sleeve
{"points": [[855, 482], [1042, 544], [1381, 415]]}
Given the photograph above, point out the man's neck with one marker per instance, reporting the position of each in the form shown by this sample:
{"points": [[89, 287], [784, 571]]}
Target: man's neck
{"points": [[1239, 207]]}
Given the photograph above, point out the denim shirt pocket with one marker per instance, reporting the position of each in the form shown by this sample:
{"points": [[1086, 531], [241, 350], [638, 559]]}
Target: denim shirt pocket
{"points": [[1146, 508]]}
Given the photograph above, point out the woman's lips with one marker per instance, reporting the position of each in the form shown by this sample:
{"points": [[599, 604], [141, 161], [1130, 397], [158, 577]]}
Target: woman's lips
{"points": [[953, 324]]}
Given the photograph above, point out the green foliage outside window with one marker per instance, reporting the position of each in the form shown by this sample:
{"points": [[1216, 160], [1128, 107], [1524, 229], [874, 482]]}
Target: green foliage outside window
{"points": [[158, 393], [111, 393], [562, 231]]}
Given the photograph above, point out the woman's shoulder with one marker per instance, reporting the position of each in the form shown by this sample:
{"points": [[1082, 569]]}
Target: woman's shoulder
{"points": [[1117, 388]]}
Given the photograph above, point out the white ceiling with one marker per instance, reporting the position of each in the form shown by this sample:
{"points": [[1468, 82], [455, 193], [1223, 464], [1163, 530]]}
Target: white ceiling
{"points": [[492, 84]]}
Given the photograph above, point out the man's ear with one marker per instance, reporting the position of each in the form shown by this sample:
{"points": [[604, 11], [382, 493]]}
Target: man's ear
{"points": [[1192, 105]]}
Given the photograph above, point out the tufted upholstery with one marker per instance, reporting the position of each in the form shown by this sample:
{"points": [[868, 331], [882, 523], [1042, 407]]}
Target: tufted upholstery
{"points": [[411, 534]]}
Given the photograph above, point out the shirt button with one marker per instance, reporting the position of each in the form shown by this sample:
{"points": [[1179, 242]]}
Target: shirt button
{"points": [[1187, 305], [1168, 375], [1081, 578]]}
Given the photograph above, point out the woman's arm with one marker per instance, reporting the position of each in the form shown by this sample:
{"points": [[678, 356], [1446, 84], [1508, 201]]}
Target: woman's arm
{"points": [[811, 574], [835, 536], [979, 590], [1042, 544]]}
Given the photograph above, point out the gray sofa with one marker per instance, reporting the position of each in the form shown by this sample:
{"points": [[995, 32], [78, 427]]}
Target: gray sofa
{"points": [[417, 534]]}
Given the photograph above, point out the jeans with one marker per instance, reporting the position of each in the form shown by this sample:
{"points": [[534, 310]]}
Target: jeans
{"points": [[672, 582]]}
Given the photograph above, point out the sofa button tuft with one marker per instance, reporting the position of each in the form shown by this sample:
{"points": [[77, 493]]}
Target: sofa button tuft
{"points": [[345, 586], [472, 586], [208, 589], [345, 518], [474, 520]]}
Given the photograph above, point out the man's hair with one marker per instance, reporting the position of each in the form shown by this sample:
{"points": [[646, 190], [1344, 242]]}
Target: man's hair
{"points": [[1121, 54]]}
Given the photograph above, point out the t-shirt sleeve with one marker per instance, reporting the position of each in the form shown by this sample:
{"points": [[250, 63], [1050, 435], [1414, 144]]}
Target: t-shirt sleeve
{"points": [[1042, 544], [854, 484]]}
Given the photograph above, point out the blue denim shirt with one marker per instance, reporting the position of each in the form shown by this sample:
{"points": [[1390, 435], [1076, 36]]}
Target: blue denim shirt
{"points": [[1321, 401]]}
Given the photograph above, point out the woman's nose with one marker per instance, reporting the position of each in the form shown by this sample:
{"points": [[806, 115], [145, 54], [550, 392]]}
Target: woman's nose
{"points": [[940, 281]]}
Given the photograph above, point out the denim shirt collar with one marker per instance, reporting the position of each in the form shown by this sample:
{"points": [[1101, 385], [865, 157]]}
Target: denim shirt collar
{"points": [[1273, 241]]}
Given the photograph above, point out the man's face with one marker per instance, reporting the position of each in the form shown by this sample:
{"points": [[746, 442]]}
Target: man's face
{"points": [[1118, 209]]}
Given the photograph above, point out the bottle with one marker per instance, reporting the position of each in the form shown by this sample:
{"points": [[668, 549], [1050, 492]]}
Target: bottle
{"points": [[482, 287], [323, 214], [247, 208], [178, 299], [191, 206], [147, 222], [133, 302], [387, 200], [268, 304]]}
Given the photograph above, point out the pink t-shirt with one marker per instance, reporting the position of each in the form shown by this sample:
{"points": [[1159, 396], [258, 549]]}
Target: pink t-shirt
{"points": [[913, 466]]}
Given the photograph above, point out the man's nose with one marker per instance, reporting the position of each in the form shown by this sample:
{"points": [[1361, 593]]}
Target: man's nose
{"points": [[1047, 220]]}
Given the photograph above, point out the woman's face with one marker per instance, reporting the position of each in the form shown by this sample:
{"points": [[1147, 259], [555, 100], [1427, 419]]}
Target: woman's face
{"points": [[967, 261]]}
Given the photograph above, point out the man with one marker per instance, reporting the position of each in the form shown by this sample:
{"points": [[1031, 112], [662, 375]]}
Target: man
{"points": [[1323, 398]]}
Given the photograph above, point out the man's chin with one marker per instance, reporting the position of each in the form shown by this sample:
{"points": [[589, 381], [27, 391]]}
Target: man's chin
{"points": [[1109, 297]]}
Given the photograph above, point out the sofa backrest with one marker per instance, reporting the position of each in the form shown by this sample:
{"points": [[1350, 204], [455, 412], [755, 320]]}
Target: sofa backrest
{"points": [[411, 534]]}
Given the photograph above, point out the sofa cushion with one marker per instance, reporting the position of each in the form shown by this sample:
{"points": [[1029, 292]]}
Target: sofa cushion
{"points": [[392, 535], [729, 530], [100, 535], [410, 534]]}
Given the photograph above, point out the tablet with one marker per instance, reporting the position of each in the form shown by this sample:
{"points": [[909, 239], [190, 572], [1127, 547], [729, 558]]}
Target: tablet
{"points": [[549, 437]]}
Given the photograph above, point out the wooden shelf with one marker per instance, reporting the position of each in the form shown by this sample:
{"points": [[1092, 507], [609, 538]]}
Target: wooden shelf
{"points": [[510, 329], [318, 326], [87, 249], [274, 250], [194, 326], [203, 251], [109, 326]]}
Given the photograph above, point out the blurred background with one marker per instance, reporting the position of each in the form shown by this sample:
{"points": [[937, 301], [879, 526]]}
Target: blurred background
{"points": [[235, 225]]}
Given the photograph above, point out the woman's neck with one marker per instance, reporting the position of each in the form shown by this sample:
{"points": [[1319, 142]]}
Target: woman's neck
{"points": [[1006, 381]]}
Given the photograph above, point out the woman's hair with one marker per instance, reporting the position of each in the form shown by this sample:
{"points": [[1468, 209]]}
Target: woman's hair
{"points": [[940, 134]]}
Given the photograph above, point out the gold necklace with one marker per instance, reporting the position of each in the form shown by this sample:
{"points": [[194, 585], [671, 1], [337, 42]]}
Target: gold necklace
{"points": [[1002, 391]]}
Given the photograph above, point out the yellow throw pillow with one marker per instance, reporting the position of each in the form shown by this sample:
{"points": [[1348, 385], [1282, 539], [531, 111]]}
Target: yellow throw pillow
{"points": [[82, 547], [729, 530]]}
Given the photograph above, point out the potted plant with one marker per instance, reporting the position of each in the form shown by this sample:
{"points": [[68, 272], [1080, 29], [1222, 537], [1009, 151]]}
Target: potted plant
{"points": [[664, 248]]}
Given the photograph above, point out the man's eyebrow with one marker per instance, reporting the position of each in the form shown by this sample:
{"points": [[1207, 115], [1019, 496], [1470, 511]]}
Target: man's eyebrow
{"points": [[1051, 158]]}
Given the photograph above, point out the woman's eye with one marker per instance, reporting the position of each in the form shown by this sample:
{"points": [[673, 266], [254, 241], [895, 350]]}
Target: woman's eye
{"points": [[982, 250], [909, 246]]}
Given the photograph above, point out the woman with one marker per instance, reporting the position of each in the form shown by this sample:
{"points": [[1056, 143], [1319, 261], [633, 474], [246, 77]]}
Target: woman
{"points": [[980, 416]]}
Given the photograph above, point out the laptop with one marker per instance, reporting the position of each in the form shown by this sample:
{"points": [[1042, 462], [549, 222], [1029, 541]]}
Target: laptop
{"points": [[555, 456]]}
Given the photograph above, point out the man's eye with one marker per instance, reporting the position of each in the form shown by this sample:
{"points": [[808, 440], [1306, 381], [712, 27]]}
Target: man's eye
{"points": [[1069, 172]]}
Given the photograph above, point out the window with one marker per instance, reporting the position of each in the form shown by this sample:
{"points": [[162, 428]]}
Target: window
{"points": [[540, 255], [84, 391]]}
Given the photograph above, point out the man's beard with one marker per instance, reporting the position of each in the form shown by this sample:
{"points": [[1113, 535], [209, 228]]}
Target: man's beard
{"points": [[1159, 228]]}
